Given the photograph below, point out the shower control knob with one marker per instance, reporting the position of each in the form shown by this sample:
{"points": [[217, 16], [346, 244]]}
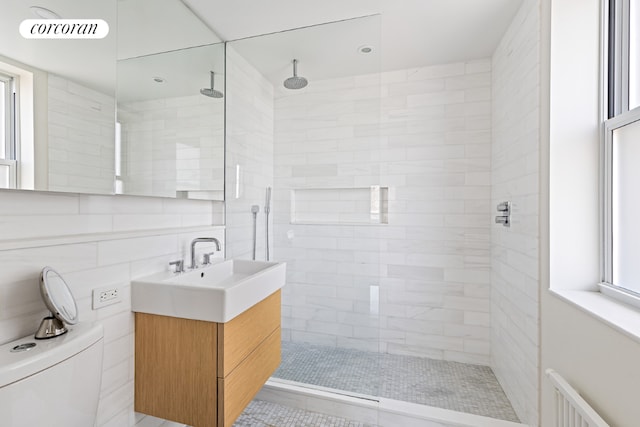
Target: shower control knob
{"points": [[503, 207]]}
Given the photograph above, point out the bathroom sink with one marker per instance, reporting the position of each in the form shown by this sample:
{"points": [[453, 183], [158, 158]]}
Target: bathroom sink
{"points": [[215, 293]]}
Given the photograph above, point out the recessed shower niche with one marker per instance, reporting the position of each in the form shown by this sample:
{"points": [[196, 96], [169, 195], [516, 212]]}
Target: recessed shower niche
{"points": [[359, 206]]}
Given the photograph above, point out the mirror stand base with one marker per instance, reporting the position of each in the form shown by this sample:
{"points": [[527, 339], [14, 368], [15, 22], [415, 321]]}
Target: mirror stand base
{"points": [[50, 327]]}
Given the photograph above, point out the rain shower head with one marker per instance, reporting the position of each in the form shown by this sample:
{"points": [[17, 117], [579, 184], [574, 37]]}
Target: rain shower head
{"points": [[211, 92], [295, 82]]}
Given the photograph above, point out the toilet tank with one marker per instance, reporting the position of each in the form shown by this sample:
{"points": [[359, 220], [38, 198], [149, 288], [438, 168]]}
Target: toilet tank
{"points": [[54, 382]]}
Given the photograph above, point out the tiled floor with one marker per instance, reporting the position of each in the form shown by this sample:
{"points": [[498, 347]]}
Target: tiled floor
{"points": [[450, 385], [266, 414], [149, 421]]}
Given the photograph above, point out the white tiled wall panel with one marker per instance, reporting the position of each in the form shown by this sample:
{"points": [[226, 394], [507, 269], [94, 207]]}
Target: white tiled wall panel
{"points": [[172, 144], [81, 137], [514, 177], [426, 134], [249, 154], [81, 236]]}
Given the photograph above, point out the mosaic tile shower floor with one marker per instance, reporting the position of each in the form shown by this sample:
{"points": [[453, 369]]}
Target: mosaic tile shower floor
{"points": [[461, 387]]}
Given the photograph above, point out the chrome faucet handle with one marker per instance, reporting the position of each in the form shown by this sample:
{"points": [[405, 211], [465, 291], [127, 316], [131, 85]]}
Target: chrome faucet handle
{"points": [[179, 266], [194, 265], [206, 258]]}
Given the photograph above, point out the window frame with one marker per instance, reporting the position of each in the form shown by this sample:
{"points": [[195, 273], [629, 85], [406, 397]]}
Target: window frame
{"points": [[9, 158], [607, 285], [616, 83], [9, 118]]}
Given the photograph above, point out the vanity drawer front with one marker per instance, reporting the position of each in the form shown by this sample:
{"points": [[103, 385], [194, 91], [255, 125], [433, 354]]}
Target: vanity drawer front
{"points": [[240, 336], [175, 371], [238, 389]]}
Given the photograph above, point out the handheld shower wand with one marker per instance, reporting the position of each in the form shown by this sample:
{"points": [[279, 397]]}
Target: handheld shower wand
{"points": [[267, 209], [254, 211]]}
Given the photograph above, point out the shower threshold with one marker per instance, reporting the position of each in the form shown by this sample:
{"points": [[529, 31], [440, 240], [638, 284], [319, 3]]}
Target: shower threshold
{"points": [[393, 379], [363, 412]]}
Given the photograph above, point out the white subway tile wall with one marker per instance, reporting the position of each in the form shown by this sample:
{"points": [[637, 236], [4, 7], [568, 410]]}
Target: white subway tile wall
{"points": [[84, 238], [249, 155], [80, 138], [172, 144], [514, 177], [426, 134]]}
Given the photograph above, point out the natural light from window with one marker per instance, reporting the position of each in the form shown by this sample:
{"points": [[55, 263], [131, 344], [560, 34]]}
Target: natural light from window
{"points": [[626, 207], [634, 54], [621, 156], [4, 117]]}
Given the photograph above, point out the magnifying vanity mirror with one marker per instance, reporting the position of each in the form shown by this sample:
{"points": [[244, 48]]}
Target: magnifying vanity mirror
{"points": [[60, 301]]}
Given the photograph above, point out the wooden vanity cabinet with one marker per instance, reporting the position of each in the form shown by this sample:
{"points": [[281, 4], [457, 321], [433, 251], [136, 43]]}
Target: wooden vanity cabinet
{"points": [[201, 373]]}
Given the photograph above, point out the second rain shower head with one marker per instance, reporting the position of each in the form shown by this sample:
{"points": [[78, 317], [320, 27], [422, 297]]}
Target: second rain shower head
{"points": [[211, 92], [295, 82]]}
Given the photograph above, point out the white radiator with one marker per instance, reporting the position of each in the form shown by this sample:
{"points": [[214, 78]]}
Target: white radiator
{"points": [[571, 410]]}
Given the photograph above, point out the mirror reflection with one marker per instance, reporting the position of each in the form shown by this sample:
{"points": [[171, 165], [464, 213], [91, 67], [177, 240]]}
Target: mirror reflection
{"points": [[58, 101], [171, 124]]}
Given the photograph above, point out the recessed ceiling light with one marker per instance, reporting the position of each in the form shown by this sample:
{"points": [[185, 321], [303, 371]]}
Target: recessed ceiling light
{"points": [[365, 49], [158, 79], [44, 13]]}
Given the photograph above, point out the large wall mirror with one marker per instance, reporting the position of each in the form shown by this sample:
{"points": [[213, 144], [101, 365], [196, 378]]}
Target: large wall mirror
{"points": [[138, 112]]}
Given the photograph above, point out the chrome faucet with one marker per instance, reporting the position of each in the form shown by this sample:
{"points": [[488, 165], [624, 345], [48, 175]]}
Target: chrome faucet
{"points": [[201, 239], [178, 266]]}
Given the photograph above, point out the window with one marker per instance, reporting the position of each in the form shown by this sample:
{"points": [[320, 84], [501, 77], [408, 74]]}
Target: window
{"points": [[621, 155], [7, 131], [623, 56], [6, 113], [634, 54]]}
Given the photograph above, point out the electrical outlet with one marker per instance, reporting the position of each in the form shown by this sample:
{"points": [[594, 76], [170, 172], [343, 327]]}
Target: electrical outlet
{"points": [[108, 295], [103, 297]]}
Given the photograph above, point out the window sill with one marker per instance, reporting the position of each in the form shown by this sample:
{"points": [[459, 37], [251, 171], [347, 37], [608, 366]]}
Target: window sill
{"points": [[614, 313]]}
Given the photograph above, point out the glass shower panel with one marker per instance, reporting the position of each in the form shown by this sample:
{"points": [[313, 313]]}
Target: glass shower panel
{"points": [[329, 205]]}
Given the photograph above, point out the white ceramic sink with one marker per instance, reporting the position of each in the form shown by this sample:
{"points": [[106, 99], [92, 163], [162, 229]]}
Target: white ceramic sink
{"points": [[216, 293]]}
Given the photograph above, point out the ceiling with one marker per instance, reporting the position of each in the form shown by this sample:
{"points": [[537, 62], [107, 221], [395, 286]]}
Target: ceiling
{"points": [[404, 34], [412, 32], [183, 72], [144, 28], [323, 51]]}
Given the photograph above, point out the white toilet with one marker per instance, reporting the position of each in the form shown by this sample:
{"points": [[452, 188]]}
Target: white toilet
{"points": [[54, 382]]}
